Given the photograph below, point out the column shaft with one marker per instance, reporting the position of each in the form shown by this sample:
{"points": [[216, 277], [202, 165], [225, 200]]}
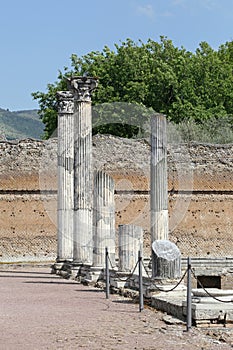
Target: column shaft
{"points": [[83, 184], [130, 242], [104, 219], [158, 179], [65, 177], [82, 88]]}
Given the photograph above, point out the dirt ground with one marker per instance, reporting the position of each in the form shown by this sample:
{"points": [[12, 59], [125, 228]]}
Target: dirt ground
{"points": [[43, 311]]}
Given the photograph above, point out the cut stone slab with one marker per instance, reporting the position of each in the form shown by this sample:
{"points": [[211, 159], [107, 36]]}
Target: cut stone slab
{"points": [[218, 308], [171, 320], [215, 292], [209, 300], [205, 310], [211, 311], [171, 303]]}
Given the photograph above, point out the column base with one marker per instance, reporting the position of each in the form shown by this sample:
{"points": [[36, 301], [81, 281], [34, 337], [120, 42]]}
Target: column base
{"points": [[75, 269], [61, 268], [94, 274], [120, 279]]}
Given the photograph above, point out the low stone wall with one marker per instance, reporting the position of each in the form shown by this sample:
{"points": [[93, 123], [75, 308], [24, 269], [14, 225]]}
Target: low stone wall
{"points": [[200, 179]]}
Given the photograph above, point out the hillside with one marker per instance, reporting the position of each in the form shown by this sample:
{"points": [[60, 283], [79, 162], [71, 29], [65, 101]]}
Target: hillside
{"points": [[20, 124]]}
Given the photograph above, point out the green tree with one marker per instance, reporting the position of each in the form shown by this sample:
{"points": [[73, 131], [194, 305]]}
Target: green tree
{"points": [[154, 75]]}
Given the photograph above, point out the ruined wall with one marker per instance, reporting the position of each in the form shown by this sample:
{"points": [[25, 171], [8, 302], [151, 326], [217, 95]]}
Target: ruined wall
{"points": [[200, 180], [27, 222]]}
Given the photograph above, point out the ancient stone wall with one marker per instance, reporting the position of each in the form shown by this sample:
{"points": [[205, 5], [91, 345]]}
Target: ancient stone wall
{"points": [[200, 179]]}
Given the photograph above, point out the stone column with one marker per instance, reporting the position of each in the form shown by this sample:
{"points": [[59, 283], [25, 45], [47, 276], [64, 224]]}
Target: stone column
{"points": [[167, 260], [82, 88], [158, 179], [130, 242], [104, 219], [165, 255], [65, 201]]}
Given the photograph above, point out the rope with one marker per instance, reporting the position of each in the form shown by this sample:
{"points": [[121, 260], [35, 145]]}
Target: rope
{"points": [[131, 274], [160, 289], [170, 290], [208, 293]]}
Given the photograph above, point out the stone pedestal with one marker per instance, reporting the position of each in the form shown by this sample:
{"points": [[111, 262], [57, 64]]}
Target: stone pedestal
{"points": [[82, 87], [65, 178], [167, 260], [104, 219], [130, 242]]}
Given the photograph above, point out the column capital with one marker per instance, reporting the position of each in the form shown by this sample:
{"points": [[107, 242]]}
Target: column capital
{"points": [[65, 102], [82, 87]]}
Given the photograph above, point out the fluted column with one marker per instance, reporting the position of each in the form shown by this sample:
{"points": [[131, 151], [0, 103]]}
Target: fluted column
{"points": [[104, 219], [158, 179], [82, 88], [130, 242], [65, 176]]}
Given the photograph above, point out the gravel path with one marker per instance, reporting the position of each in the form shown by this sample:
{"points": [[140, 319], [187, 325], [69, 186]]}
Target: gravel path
{"points": [[42, 311]]}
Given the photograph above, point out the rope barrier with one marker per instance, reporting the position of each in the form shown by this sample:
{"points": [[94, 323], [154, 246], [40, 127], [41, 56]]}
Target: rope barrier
{"points": [[208, 293], [160, 289], [154, 285], [189, 271], [130, 276], [171, 289], [131, 273]]}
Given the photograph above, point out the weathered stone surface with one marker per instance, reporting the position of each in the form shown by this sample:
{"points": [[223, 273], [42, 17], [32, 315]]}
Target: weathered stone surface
{"points": [[65, 199], [200, 223], [215, 292], [82, 88], [215, 312], [83, 184], [103, 219], [130, 242], [158, 179], [167, 259]]}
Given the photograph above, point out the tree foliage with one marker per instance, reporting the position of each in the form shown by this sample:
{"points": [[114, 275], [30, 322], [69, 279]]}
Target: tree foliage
{"points": [[183, 85]]}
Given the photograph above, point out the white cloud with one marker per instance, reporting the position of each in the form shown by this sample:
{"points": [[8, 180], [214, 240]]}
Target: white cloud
{"points": [[166, 14], [207, 4], [146, 10], [178, 2]]}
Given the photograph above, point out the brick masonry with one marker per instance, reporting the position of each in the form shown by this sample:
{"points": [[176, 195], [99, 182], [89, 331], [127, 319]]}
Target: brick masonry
{"points": [[200, 191]]}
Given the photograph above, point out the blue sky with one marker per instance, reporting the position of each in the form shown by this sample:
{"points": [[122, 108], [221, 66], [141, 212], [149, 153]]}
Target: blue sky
{"points": [[38, 37]]}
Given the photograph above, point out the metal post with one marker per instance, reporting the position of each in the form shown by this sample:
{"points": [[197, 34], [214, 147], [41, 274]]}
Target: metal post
{"points": [[141, 302], [107, 273], [189, 297]]}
